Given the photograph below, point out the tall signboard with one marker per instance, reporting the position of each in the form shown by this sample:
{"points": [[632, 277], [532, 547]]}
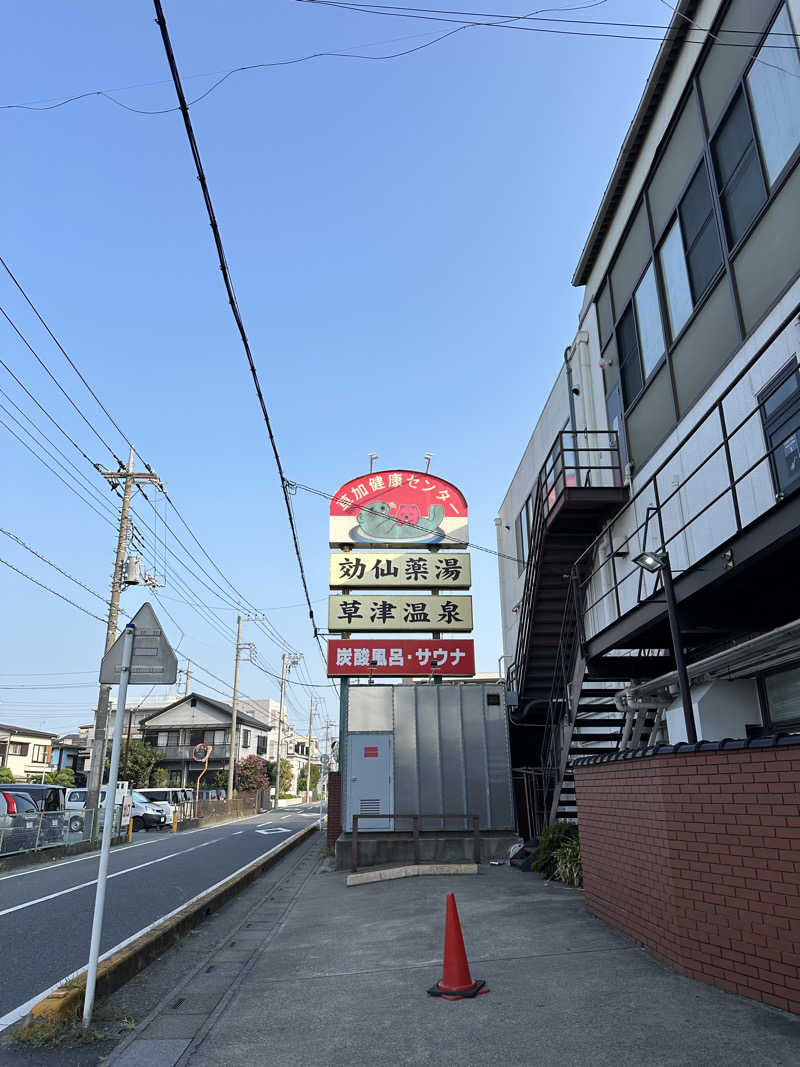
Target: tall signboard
{"points": [[396, 569]]}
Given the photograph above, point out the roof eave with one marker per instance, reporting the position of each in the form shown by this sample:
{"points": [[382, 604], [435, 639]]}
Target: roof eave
{"points": [[674, 39]]}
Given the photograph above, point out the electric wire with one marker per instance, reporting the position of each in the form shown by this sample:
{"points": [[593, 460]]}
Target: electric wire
{"points": [[50, 374], [53, 103], [55, 566], [53, 591], [60, 478], [230, 292], [79, 475]]}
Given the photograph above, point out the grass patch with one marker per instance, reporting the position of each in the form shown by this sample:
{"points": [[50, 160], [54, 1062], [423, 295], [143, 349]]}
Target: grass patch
{"points": [[67, 1032]]}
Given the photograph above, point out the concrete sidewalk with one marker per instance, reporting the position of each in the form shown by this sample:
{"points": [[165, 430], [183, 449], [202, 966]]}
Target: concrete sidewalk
{"points": [[340, 979]]}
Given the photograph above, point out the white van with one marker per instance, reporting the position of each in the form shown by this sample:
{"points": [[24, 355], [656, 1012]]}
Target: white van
{"points": [[169, 799], [144, 815]]}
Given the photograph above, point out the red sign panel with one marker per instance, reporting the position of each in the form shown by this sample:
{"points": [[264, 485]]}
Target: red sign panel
{"points": [[398, 507], [398, 658], [371, 752]]}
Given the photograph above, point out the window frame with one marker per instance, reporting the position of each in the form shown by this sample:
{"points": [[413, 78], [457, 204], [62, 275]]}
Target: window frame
{"points": [[784, 410], [692, 89], [763, 695]]}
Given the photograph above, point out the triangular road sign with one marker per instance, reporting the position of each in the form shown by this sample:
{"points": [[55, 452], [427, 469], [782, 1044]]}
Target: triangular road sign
{"points": [[153, 663]]}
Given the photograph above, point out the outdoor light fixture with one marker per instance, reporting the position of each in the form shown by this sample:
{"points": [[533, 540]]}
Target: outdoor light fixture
{"points": [[651, 561], [658, 562]]}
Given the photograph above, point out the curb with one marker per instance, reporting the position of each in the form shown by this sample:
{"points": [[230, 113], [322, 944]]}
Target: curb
{"points": [[411, 871], [119, 968]]}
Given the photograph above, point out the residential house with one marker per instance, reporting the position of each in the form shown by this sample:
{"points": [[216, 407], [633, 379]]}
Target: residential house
{"points": [[68, 753], [298, 758], [200, 720], [670, 446], [25, 751]]}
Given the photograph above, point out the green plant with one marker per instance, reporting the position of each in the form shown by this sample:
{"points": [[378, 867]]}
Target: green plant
{"points": [[286, 775], [141, 759], [66, 776], [301, 781], [569, 868], [251, 775], [550, 840], [6, 775], [158, 777], [221, 780]]}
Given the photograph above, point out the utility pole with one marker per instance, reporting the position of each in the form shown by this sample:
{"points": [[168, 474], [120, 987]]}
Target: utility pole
{"points": [[308, 755], [129, 477], [288, 660], [188, 676], [232, 757]]}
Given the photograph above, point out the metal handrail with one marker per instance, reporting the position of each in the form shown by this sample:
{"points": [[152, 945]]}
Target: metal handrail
{"points": [[415, 819], [543, 505], [730, 489]]}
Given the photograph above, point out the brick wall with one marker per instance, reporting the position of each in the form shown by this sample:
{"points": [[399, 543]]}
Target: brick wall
{"points": [[334, 807], [696, 856]]}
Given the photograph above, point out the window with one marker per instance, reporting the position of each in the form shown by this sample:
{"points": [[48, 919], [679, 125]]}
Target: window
{"points": [[161, 740], [774, 84], [648, 314], [39, 754], [630, 365], [261, 745], [605, 317], [739, 178], [783, 695], [700, 237], [17, 748], [672, 258], [245, 738], [780, 414]]}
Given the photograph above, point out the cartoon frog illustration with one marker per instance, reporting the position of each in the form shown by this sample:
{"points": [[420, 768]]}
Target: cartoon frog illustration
{"points": [[376, 522]]}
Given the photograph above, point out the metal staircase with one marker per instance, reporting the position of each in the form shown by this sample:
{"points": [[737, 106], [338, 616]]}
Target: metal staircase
{"points": [[565, 706]]}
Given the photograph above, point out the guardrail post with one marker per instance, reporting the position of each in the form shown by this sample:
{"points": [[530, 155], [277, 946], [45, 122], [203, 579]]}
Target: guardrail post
{"points": [[476, 830], [415, 832], [354, 846]]}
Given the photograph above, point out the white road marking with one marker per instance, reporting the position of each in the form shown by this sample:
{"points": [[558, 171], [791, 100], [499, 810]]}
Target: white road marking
{"points": [[124, 848], [275, 830], [116, 874], [22, 1010], [236, 833]]}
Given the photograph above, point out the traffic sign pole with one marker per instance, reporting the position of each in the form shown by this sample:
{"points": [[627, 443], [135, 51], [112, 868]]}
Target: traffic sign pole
{"points": [[108, 825]]}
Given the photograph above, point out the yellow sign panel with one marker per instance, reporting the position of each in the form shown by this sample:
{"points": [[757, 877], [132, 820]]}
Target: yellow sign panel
{"points": [[374, 613], [397, 570]]}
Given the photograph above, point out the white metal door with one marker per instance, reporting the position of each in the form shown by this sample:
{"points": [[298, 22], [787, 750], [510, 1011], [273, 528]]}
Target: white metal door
{"points": [[371, 792]]}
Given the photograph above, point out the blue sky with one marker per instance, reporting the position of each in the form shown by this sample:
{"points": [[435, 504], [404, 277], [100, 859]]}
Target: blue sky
{"points": [[402, 236]]}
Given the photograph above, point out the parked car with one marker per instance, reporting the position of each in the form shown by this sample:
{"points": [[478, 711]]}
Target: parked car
{"points": [[19, 817], [144, 814], [212, 794], [168, 798], [75, 802], [49, 800]]}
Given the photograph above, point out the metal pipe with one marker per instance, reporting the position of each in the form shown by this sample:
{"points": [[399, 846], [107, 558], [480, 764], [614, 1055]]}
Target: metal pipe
{"points": [[677, 646]]}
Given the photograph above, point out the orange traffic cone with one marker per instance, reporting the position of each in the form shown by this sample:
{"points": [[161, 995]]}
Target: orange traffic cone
{"points": [[456, 981]]}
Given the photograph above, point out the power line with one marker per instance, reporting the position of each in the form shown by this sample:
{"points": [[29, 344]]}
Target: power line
{"points": [[53, 591], [445, 537], [95, 493], [50, 563], [230, 291], [52, 376], [346, 52], [61, 348], [60, 478]]}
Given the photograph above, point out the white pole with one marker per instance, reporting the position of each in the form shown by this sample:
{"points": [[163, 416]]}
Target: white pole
{"points": [[105, 848]]}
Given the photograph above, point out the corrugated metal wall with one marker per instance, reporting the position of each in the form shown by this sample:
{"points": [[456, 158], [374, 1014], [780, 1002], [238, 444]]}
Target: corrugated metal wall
{"points": [[451, 749]]}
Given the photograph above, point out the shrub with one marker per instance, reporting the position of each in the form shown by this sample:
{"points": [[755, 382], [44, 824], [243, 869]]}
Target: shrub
{"points": [[6, 774], [551, 839], [569, 868]]}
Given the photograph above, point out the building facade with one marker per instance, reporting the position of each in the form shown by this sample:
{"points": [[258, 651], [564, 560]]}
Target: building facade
{"points": [[679, 432], [24, 751], [199, 720]]}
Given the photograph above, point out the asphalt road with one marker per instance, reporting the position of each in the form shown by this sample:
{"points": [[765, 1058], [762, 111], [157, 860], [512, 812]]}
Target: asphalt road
{"points": [[46, 912]]}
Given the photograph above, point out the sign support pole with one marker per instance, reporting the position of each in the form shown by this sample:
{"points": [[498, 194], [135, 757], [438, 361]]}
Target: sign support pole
{"points": [[108, 825], [344, 791]]}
